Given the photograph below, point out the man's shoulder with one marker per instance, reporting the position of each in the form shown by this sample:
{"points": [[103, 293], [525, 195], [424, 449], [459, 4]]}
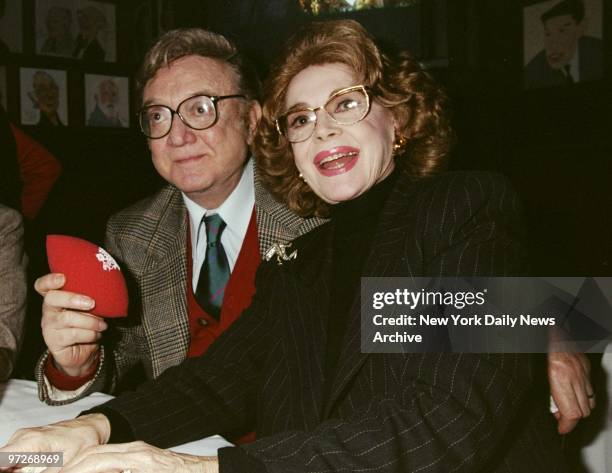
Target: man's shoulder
{"points": [[591, 42], [276, 222], [148, 211], [8, 214]]}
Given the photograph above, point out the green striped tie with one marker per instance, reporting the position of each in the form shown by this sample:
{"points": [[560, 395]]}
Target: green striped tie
{"points": [[215, 271]]}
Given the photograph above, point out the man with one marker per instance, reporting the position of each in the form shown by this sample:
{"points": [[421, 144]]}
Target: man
{"points": [[569, 55], [45, 97], [59, 40], [87, 47], [105, 112], [199, 112], [12, 288]]}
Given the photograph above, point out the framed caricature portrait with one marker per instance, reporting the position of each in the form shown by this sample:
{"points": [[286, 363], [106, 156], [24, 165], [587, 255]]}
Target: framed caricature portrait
{"points": [[562, 43], [43, 97], [11, 26], [79, 29], [107, 101]]}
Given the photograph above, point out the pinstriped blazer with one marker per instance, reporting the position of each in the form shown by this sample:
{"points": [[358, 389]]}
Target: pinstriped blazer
{"points": [[149, 242], [427, 412]]}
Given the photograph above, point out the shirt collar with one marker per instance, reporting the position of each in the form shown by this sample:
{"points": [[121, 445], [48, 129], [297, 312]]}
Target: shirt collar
{"points": [[235, 210]]}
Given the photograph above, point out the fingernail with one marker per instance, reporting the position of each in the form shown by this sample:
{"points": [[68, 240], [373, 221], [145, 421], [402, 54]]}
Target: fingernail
{"points": [[58, 279], [84, 302], [102, 325]]}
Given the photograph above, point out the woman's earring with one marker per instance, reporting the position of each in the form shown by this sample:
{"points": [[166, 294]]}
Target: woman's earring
{"points": [[399, 145], [303, 178]]}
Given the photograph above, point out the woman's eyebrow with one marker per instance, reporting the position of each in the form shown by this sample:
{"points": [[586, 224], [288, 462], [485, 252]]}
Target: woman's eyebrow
{"points": [[303, 105]]}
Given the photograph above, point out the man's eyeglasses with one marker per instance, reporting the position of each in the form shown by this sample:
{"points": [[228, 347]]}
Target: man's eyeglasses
{"points": [[198, 112], [345, 107]]}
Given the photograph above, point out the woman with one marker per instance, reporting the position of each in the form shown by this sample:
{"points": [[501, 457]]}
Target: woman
{"points": [[349, 133]]}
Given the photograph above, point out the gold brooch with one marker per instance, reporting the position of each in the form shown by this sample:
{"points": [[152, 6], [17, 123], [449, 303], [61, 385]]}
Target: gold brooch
{"points": [[280, 251]]}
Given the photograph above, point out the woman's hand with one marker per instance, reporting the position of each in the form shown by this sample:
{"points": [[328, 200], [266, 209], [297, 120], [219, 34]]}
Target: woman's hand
{"points": [[69, 436], [138, 457], [570, 388]]}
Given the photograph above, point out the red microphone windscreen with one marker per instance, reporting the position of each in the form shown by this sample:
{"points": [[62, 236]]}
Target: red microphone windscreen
{"points": [[91, 271]]}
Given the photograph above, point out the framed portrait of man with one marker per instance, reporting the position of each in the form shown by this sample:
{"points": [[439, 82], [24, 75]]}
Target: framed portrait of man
{"points": [[55, 27], [562, 43], [79, 29], [43, 97], [107, 101], [11, 27]]}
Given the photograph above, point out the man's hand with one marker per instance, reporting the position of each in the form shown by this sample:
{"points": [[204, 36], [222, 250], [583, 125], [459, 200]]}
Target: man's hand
{"points": [[138, 457], [69, 436], [570, 388], [71, 334]]}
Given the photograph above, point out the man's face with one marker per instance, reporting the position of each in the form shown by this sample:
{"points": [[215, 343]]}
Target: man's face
{"points": [[561, 35], [46, 92], [204, 164]]}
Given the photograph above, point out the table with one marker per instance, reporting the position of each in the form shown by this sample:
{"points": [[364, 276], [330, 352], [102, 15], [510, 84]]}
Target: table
{"points": [[20, 407], [597, 453]]}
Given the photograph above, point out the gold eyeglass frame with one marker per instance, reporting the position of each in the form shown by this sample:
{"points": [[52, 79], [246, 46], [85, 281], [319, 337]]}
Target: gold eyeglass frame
{"points": [[361, 87]]}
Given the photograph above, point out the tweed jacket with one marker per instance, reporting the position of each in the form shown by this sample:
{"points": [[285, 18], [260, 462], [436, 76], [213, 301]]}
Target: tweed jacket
{"points": [[149, 242], [13, 288], [424, 412]]}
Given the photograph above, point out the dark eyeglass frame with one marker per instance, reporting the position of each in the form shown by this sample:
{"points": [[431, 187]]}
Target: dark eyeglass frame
{"points": [[361, 87], [213, 98]]}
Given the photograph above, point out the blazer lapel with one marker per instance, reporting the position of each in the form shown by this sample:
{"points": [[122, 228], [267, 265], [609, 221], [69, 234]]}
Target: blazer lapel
{"points": [[384, 259], [275, 222], [164, 286], [307, 292]]}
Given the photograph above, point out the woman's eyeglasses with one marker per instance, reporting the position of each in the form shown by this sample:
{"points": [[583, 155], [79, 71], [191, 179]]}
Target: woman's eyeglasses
{"points": [[345, 107]]}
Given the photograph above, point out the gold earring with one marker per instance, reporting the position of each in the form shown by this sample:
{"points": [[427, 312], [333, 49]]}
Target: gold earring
{"points": [[399, 144]]}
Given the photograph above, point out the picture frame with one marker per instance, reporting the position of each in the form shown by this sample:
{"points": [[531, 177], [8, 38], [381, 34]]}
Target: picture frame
{"points": [[43, 97], [11, 27], [562, 43], [107, 101], [79, 29]]}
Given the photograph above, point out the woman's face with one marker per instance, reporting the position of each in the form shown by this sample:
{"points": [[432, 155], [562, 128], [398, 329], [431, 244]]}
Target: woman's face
{"points": [[340, 162]]}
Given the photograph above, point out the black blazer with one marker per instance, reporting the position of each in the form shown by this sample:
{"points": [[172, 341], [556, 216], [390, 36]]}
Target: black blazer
{"points": [[386, 412]]}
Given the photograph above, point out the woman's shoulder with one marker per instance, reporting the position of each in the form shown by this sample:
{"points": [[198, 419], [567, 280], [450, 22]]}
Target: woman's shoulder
{"points": [[484, 182]]}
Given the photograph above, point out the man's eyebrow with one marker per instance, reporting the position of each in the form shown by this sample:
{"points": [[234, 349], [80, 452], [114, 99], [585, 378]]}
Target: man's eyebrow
{"points": [[155, 101]]}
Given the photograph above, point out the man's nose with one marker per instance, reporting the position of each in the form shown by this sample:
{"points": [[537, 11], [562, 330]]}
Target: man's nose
{"points": [[179, 132]]}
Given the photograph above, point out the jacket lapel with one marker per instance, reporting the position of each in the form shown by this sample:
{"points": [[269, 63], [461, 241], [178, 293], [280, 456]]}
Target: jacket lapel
{"points": [[275, 222], [164, 285], [307, 294], [384, 259]]}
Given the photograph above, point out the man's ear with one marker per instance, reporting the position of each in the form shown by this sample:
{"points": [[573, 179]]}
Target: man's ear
{"points": [[253, 117]]}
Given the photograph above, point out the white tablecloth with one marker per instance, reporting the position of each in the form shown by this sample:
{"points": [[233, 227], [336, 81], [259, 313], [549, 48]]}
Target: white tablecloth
{"points": [[597, 455], [20, 407]]}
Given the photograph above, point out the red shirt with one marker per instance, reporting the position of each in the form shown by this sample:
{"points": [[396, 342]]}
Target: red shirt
{"points": [[38, 170]]}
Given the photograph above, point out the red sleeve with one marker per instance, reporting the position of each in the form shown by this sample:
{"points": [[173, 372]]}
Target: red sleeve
{"points": [[39, 170], [63, 381]]}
